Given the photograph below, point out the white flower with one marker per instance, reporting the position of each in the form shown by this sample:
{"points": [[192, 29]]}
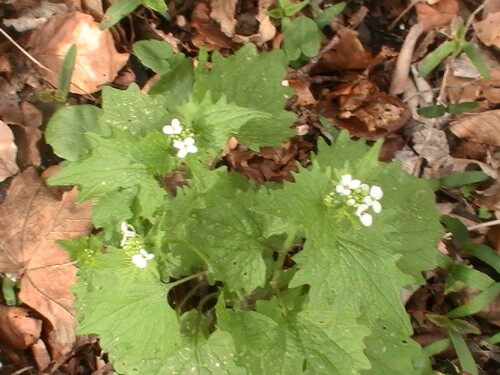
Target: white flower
{"points": [[185, 147], [376, 192], [368, 200], [361, 208], [141, 259], [354, 184], [346, 179], [376, 207], [351, 202], [365, 187], [366, 219], [174, 127], [126, 233]]}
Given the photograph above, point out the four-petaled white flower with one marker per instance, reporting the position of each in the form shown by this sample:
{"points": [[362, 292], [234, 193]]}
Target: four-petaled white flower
{"points": [[174, 127], [126, 233], [141, 259], [185, 147]]}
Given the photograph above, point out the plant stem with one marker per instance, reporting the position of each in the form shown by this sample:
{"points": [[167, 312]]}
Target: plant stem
{"points": [[184, 279], [278, 266]]}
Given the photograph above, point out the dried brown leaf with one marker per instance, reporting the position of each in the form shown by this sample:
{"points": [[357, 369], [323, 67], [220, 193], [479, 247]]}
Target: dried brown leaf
{"points": [[488, 31], [97, 60], [18, 329], [8, 152], [481, 128], [32, 217], [439, 14]]}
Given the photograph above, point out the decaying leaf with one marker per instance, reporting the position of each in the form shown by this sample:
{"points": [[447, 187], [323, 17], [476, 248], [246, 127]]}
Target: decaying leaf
{"points": [[97, 60], [361, 108], [8, 152], [439, 14], [31, 18], [224, 12], [488, 31], [32, 217], [481, 128], [18, 329]]}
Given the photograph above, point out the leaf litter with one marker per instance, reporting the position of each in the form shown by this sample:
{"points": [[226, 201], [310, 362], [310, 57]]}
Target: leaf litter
{"points": [[349, 85]]}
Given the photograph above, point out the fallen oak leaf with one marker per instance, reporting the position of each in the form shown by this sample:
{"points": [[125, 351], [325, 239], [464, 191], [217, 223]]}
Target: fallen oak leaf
{"points": [[481, 128], [8, 152], [32, 217]]}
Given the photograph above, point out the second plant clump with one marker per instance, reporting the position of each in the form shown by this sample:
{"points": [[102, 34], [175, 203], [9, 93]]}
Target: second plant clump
{"points": [[299, 278]]}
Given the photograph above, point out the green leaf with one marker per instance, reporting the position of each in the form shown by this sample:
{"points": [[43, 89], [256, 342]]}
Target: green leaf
{"points": [[456, 227], [67, 67], [485, 253], [477, 303], [251, 80], [113, 208], [130, 312], [200, 355], [67, 127], [157, 5], [290, 9], [434, 58], [320, 341], [214, 123], [131, 111], [464, 178], [476, 59], [154, 54], [302, 36], [174, 86], [464, 355], [458, 108], [328, 14], [432, 111], [118, 10], [437, 347]]}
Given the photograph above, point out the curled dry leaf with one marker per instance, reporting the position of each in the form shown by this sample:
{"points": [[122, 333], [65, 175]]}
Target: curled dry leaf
{"points": [[224, 12], [18, 329], [8, 152], [362, 109], [439, 14], [488, 31], [97, 60], [32, 217], [481, 128]]}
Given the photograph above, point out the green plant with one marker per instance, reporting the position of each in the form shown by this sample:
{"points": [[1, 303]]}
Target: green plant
{"points": [[226, 277], [453, 48], [439, 110], [302, 35], [121, 8]]}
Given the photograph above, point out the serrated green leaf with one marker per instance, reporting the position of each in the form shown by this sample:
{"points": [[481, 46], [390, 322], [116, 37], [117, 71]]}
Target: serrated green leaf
{"points": [[67, 127], [321, 341], [214, 122], [154, 54], [434, 58], [131, 111], [132, 316], [113, 208], [476, 59], [108, 168], [458, 108], [432, 111], [176, 85], [200, 355], [301, 36], [251, 80], [117, 11]]}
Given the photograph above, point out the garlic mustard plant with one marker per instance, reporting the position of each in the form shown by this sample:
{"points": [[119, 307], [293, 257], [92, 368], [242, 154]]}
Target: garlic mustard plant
{"points": [[358, 195], [271, 268]]}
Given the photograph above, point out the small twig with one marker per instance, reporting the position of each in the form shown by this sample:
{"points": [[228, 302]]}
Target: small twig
{"points": [[473, 15], [24, 369], [35, 61], [484, 225], [403, 13], [307, 68]]}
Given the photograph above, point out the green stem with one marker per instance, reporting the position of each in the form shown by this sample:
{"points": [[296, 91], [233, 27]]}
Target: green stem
{"points": [[278, 266], [184, 279]]}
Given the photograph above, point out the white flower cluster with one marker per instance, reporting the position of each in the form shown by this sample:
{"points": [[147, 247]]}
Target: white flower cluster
{"points": [[183, 140], [362, 197], [142, 257]]}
